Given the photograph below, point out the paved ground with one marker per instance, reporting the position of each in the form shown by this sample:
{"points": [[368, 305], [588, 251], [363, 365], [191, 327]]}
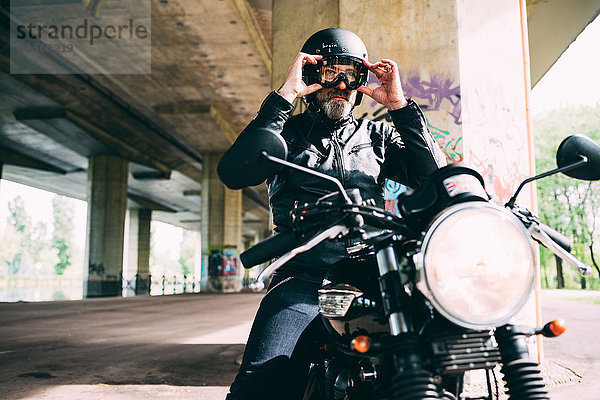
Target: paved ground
{"points": [[578, 348], [166, 347], [186, 346]]}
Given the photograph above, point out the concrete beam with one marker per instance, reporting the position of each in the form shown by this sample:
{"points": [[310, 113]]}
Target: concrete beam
{"points": [[121, 147], [552, 26], [94, 7], [223, 125], [12, 157], [183, 107], [151, 204], [77, 133], [150, 175], [198, 107], [255, 32]]}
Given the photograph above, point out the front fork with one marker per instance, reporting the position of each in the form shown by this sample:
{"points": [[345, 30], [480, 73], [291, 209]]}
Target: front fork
{"points": [[523, 377], [411, 379]]}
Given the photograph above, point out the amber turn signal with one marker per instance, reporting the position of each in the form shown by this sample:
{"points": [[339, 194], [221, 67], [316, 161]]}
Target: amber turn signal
{"points": [[554, 328], [361, 343], [557, 327]]}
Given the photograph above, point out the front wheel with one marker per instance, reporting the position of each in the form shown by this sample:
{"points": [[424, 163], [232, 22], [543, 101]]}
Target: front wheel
{"points": [[314, 386]]}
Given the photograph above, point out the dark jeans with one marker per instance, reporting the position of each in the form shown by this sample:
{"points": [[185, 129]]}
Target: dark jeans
{"points": [[270, 368]]}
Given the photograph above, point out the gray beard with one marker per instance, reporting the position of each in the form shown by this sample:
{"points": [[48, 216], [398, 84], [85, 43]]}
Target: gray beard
{"points": [[333, 109]]}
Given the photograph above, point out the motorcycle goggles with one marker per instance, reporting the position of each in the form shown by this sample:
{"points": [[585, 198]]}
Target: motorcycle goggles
{"points": [[334, 69]]}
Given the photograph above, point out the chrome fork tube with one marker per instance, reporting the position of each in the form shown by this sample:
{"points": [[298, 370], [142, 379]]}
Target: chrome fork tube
{"points": [[386, 261]]}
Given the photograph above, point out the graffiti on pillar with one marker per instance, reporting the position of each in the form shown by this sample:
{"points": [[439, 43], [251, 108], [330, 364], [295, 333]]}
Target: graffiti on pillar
{"points": [[449, 144], [223, 270], [440, 100], [391, 192], [438, 91], [96, 270], [222, 263], [501, 178]]}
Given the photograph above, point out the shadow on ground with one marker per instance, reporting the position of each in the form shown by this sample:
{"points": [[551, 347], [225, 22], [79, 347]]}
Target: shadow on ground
{"points": [[149, 364]]}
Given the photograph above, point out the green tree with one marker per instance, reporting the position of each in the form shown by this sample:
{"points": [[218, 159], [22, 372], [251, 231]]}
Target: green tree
{"points": [[33, 253], [38, 250], [19, 220], [64, 214], [11, 240], [188, 247], [571, 206]]}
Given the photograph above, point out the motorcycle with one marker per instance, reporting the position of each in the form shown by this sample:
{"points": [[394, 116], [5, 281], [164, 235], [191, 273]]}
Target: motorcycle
{"points": [[426, 296]]}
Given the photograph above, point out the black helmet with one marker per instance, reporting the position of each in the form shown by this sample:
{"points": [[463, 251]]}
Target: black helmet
{"points": [[337, 46]]}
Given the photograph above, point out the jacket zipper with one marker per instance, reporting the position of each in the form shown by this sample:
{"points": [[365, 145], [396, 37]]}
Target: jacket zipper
{"points": [[279, 284], [360, 147], [339, 157]]}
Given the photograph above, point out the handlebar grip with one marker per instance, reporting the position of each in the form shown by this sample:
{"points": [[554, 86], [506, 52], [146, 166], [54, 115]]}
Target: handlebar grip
{"points": [[558, 237], [274, 246]]}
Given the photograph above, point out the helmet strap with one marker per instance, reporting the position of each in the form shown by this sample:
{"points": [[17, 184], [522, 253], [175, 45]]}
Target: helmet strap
{"points": [[359, 97]]}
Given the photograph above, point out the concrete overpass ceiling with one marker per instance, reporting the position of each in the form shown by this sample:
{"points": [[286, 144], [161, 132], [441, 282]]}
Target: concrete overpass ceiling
{"points": [[210, 71], [552, 26]]}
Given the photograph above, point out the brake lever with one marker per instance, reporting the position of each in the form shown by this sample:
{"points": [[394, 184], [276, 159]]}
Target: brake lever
{"points": [[546, 241]]}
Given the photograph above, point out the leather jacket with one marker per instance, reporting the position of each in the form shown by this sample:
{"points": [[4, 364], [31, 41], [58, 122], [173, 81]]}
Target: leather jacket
{"points": [[360, 153]]}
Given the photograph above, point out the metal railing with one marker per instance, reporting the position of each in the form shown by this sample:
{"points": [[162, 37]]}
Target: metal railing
{"points": [[161, 285]]}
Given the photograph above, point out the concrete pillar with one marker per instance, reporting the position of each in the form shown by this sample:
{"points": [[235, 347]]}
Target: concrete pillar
{"points": [[465, 62], [130, 251], [461, 61], [140, 220], [143, 265], [138, 251], [107, 203], [221, 230], [198, 273]]}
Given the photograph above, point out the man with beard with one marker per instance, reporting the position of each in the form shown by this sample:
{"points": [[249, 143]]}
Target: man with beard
{"points": [[330, 73]]}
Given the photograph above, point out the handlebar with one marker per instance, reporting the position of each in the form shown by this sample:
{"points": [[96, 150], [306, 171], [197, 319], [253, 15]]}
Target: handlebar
{"points": [[272, 247], [557, 237]]}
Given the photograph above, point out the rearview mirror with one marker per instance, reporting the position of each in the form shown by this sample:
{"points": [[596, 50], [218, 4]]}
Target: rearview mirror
{"points": [[574, 149], [244, 165]]}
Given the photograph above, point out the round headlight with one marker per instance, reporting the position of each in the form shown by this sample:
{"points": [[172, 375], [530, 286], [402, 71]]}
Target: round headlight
{"points": [[477, 265]]}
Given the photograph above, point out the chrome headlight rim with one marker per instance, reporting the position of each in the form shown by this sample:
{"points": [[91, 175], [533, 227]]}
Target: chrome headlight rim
{"points": [[425, 286]]}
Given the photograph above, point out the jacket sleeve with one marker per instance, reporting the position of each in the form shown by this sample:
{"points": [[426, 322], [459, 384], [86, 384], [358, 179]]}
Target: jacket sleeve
{"points": [[273, 114], [232, 168], [411, 154]]}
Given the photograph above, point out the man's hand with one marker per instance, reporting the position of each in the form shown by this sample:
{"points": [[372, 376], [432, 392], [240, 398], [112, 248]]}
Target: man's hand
{"points": [[390, 92], [294, 86]]}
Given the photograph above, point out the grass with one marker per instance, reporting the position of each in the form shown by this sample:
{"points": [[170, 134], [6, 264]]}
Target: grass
{"points": [[582, 296]]}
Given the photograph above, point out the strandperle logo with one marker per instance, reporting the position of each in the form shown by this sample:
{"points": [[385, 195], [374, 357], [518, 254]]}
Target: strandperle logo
{"points": [[85, 30], [65, 37]]}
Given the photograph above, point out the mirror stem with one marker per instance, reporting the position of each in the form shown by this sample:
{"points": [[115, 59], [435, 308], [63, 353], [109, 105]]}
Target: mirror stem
{"points": [[577, 164], [309, 171]]}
